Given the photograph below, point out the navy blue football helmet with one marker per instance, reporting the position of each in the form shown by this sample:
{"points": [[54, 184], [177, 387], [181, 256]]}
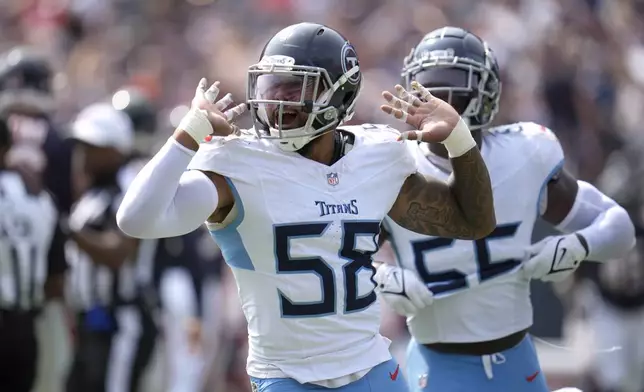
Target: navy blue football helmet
{"points": [[458, 67], [305, 84], [25, 82]]}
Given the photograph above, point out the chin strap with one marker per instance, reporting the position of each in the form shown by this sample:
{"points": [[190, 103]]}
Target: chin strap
{"points": [[343, 144]]}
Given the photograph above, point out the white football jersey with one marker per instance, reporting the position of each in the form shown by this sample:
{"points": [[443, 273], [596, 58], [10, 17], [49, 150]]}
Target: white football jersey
{"points": [[299, 241], [27, 226], [479, 294]]}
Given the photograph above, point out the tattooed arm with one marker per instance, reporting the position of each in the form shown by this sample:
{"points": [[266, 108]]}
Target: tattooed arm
{"points": [[462, 208]]}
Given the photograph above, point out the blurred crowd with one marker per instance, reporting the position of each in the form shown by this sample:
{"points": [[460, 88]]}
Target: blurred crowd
{"points": [[572, 65]]}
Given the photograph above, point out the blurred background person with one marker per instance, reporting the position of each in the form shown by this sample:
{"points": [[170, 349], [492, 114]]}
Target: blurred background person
{"points": [[115, 329], [191, 301], [613, 295], [32, 255], [181, 282], [27, 102]]}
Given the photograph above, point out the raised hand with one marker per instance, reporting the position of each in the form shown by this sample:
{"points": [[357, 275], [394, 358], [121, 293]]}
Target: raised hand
{"points": [[221, 121], [433, 118]]}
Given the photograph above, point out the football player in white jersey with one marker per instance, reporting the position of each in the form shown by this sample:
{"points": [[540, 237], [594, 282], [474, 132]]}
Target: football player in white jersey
{"points": [[473, 336], [296, 206]]}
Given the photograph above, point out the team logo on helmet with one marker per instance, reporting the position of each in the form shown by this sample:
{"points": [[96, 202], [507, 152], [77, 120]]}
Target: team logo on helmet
{"points": [[286, 33], [350, 61]]}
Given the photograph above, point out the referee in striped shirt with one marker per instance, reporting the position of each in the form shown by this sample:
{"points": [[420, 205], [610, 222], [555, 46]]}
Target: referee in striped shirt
{"points": [[31, 255], [115, 329]]}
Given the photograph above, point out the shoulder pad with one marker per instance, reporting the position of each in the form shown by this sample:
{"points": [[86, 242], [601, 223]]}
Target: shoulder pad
{"points": [[534, 140], [375, 132], [503, 129], [224, 155], [381, 127], [529, 129], [548, 151], [225, 143], [538, 130]]}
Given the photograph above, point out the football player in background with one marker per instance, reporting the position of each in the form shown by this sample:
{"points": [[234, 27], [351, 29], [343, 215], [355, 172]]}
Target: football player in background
{"points": [[181, 284], [296, 207], [27, 101], [616, 315], [474, 334]]}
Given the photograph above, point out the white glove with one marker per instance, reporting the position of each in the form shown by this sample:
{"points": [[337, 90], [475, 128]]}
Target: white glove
{"points": [[553, 259], [402, 290]]}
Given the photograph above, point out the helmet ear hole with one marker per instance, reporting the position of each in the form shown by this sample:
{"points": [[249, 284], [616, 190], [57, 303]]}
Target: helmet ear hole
{"points": [[348, 99], [346, 107]]}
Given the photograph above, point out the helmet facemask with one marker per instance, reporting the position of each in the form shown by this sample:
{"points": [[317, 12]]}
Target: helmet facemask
{"points": [[468, 85], [291, 104], [27, 101]]}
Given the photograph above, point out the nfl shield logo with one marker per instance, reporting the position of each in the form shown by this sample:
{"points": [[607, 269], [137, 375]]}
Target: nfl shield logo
{"points": [[422, 381], [332, 179]]}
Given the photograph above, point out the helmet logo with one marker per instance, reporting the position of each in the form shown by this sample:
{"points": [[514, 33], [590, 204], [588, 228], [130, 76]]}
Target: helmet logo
{"points": [[277, 59], [350, 61], [438, 54], [285, 34]]}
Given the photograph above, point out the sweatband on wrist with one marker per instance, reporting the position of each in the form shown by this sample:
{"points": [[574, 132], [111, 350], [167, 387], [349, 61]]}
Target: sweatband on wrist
{"points": [[196, 124], [460, 140]]}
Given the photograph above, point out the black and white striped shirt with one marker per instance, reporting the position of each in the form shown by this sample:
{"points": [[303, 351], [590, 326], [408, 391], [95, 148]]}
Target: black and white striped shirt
{"points": [[31, 244], [91, 284]]}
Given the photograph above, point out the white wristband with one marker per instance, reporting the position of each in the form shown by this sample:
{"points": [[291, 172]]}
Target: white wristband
{"points": [[195, 123], [460, 140]]}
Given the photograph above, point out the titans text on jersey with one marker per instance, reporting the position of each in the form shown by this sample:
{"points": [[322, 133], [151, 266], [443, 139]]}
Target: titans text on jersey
{"points": [[337, 208]]}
